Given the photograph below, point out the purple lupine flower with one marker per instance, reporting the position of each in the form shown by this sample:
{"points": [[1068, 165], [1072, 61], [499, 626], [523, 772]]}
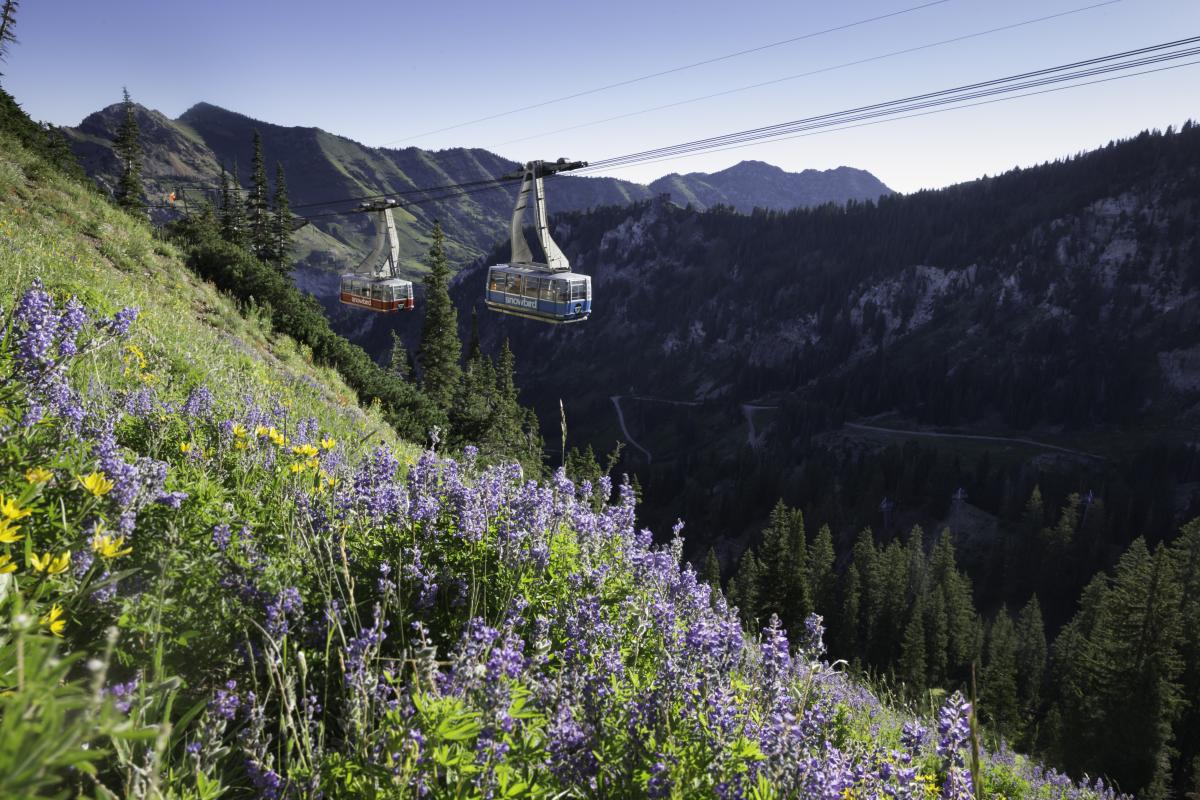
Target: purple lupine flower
{"points": [[226, 702], [37, 325], [123, 320], [286, 606], [171, 499], [122, 694], [69, 325], [267, 781], [913, 736], [199, 402]]}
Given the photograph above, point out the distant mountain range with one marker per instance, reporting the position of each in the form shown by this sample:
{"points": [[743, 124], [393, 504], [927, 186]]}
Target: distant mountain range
{"points": [[188, 153], [755, 184]]}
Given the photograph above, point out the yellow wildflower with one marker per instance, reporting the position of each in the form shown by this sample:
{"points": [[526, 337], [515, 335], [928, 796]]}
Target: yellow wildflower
{"points": [[38, 475], [7, 564], [97, 484], [239, 430], [8, 532], [54, 620], [50, 564], [278, 438], [104, 545], [240, 444], [312, 463], [305, 450], [10, 510], [262, 430], [296, 468], [328, 443]]}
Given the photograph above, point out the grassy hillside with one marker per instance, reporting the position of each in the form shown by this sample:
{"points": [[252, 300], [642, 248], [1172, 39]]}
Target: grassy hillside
{"points": [[72, 240], [219, 578]]}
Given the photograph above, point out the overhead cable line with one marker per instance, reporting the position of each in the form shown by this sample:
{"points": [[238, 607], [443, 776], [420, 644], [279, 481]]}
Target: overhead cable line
{"points": [[883, 119], [674, 70], [810, 73], [1012, 83]]}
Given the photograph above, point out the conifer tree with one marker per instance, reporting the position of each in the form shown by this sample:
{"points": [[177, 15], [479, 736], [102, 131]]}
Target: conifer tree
{"points": [[743, 590], [399, 362], [8, 24], [582, 465], [998, 679], [1031, 657], [821, 576], [281, 228], [128, 149], [1117, 666], [258, 214], [473, 415], [440, 347], [849, 638], [233, 217], [712, 571], [912, 667], [1185, 552]]}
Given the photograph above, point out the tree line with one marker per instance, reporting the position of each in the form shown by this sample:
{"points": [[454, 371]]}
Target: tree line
{"points": [[1116, 692]]}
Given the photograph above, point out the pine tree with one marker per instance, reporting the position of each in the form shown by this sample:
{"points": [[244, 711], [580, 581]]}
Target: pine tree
{"points": [[258, 214], [998, 679], [582, 465], [128, 149], [232, 215], [712, 571], [1117, 666], [743, 590], [399, 363], [912, 668], [1031, 657], [821, 576], [281, 228], [774, 559], [440, 347], [849, 638], [8, 24], [473, 415], [1185, 554]]}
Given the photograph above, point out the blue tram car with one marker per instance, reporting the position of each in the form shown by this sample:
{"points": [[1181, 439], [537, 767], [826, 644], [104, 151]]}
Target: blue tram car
{"points": [[536, 294]]}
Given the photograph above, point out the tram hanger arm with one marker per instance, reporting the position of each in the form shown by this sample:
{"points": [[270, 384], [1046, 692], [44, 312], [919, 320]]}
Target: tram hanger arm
{"points": [[543, 168]]}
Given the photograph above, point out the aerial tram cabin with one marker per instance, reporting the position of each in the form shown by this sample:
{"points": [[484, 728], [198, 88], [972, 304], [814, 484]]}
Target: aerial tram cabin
{"points": [[534, 294], [549, 291], [375, 285], [365, 291]]}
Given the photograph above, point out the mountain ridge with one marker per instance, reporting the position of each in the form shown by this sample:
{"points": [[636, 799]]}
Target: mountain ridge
{"points": [[321, 166]]}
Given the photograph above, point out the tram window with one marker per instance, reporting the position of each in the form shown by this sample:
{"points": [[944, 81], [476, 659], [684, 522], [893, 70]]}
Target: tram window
{"points": [[494, 281], [562, 291], [578, 292], [531, 286], [546, 290], [515, 284]]}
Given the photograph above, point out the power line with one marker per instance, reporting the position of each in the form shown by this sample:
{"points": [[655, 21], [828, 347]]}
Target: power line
{"points": [[810, 73], [842, 127], [673, 70], [966, 92]]}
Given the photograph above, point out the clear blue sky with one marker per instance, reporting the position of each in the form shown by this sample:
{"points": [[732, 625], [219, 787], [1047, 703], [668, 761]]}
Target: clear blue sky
{"points": [[381, 73]]}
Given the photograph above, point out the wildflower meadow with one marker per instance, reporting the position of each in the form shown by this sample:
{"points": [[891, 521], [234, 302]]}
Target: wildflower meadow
{"points": [[205, 596]]}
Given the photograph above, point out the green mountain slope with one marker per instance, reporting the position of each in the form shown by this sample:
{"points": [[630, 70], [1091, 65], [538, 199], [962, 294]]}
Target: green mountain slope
{"points": [[71, 239]]}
